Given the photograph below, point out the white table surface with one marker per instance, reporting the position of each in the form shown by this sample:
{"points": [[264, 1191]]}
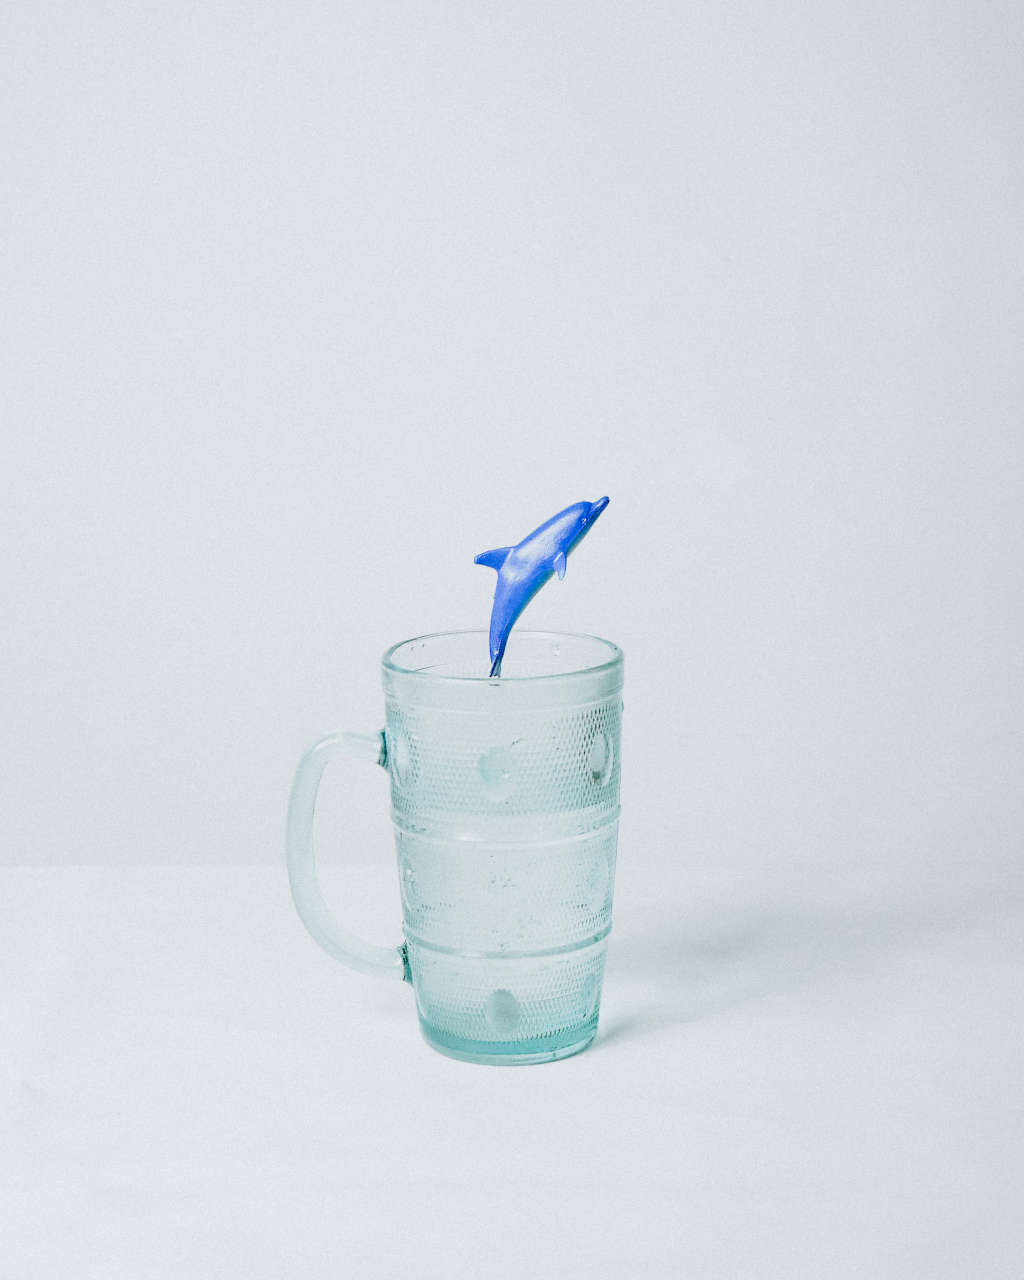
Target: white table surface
{"points": [[781, 1086]]}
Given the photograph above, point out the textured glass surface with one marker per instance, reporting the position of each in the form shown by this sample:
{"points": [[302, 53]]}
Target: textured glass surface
{"points": [[505, 800]]}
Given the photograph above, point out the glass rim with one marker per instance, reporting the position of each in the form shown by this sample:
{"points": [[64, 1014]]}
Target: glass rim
{"points": [[615, 657]]}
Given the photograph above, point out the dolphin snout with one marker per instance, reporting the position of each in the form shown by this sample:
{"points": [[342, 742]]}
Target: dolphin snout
{"points": [[597, 507]]}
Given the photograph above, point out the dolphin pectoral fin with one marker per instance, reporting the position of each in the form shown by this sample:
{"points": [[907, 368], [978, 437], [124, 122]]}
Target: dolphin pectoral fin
{"points": [[559, 565], [493, 559]]}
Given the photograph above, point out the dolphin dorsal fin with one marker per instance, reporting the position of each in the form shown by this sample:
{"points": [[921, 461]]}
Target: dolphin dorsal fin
{"points": [[493, 559]]}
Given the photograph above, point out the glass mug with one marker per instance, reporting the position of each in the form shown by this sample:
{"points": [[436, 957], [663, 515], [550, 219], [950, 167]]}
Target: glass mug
{"points": [[505, 805]]}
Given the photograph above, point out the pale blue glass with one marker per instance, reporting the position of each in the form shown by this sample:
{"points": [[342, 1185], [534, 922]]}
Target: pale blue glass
{"points": [[505, 806]]}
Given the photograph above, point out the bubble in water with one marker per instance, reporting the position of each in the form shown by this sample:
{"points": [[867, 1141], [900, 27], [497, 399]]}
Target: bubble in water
{"points": [[501, 1010], [409, 890], [598, 883], [497, 772], [600, 759], [399, 756]]}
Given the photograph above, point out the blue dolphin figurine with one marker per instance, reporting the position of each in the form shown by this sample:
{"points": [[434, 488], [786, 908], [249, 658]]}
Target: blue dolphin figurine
{"points": [[524, 568]]}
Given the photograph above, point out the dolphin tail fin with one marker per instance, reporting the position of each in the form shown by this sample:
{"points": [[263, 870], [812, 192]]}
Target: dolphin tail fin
{"points": [[493, 559]]}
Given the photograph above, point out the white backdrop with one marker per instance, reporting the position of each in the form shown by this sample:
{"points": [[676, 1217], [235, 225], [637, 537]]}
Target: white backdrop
{"points": [[306, 304]]}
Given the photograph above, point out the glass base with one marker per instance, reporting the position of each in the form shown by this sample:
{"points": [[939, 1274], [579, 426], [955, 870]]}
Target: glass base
{"points": [[519, 1053]]}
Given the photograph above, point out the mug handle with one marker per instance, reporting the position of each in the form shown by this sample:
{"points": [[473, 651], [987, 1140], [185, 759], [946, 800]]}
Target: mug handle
{"points": [[309, 901]]}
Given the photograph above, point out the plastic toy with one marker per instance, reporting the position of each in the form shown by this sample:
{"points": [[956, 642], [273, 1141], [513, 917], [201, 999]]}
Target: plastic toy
{"points": [[523, 569]]}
